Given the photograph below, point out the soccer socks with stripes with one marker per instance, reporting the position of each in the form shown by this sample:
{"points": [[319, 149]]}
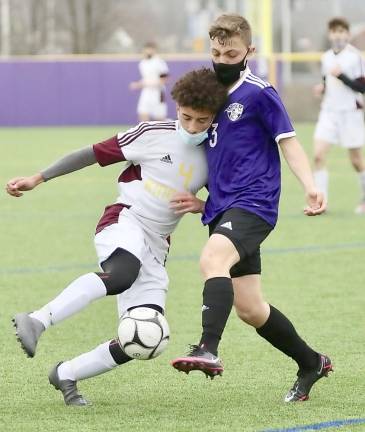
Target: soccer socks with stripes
{"points": [[103, 358], [71, 300], [217, 305], [280, 333]]}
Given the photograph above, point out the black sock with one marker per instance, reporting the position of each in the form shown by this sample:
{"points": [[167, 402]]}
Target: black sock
{"points": [[217, 305], [117, 353], [280, 332]]}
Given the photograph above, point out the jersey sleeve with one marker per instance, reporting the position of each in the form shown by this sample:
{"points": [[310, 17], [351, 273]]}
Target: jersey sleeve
{"points": [[134, 143], [273, 115], [125, 146], [108, 152]]}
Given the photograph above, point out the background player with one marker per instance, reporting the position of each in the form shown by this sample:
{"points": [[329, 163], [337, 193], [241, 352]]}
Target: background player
{"points": [[341, 119], [242, 209], [132, 236], [154, 73]]}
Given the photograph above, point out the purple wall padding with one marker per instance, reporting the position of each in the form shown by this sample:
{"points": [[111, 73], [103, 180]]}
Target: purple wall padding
{"points": [[92, 92]]}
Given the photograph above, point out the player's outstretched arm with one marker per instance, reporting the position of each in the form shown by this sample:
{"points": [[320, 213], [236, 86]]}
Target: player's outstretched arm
{"points": [[72, 162], [298, 162], [18, 184], [186, 202]]}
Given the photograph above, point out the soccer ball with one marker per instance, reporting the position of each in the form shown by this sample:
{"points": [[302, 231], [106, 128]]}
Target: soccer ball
{"points": [[143, 333]]}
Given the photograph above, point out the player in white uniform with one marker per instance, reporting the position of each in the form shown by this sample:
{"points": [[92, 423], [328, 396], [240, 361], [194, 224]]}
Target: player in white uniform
{"points": [[154, 72], [132, 237], [341, 119]]}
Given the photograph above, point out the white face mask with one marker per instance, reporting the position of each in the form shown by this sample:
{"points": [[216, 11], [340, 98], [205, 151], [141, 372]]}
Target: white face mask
{"points": [[338, 44], [192, 139]]}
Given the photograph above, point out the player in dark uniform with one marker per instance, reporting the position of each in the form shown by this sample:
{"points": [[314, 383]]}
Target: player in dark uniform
{"points": [[242, 209]]}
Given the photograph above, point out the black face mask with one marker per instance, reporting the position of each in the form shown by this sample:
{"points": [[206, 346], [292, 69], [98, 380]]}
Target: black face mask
{"points": [[227, 74]]}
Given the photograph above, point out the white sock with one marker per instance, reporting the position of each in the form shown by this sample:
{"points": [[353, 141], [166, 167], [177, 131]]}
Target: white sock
{"points": [[362, 185], [321, 180], [88, 365], [72, 299]]}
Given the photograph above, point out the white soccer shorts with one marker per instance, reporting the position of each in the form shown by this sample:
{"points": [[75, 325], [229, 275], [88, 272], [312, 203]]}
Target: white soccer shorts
{"points": [[151, 285], [344, 128], [150, 104]]}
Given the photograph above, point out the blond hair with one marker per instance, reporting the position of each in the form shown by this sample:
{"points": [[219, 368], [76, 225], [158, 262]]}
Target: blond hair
{"points": [[228, 25]]}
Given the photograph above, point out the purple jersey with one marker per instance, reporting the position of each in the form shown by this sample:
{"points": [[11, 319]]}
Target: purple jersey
{"points": [[242, 151]]}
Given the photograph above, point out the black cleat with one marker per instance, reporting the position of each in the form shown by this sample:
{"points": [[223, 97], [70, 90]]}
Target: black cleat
{"points": [[28, 332], [200, 359], [68, 389], [306, 379]]}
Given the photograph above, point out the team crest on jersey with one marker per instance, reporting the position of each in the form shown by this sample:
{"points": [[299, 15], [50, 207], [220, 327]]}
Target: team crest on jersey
{"points": [[234, 111]]}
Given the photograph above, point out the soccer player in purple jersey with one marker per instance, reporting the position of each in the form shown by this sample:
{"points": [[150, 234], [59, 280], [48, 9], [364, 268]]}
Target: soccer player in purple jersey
{"points": [[242, 209]]}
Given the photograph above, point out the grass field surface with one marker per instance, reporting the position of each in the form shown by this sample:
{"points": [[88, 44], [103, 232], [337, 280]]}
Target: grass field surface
{"points": [[313, 270]]}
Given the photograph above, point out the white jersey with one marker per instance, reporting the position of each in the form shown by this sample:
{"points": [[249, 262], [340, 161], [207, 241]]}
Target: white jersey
{"points": [[151, 71], [159, 165], [337, 95]]}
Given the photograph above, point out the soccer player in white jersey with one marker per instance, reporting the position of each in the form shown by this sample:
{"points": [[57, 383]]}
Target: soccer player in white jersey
{"points": [[341, 119], [242, 209], [154, 73], [132, 236]]}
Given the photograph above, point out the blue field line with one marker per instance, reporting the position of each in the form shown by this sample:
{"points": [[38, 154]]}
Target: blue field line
{"points": [[319, 426], [265, 251]]}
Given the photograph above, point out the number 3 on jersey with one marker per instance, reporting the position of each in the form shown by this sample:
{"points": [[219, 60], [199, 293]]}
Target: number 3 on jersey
{"points": [[214, 137]]}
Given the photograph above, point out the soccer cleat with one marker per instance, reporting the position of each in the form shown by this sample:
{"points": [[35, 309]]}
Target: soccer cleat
{"points": [[360, 209], [200, 359], [28, 332], [306, 379], [67, 387]]}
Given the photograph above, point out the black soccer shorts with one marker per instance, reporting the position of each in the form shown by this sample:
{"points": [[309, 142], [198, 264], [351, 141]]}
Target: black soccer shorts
{"points": [[246, 231]]}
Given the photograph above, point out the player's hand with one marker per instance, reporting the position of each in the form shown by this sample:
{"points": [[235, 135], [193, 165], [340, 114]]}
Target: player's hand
{"points": [[316, 203], [18, 184], [318, 90], [186, 202], [336, 71]]}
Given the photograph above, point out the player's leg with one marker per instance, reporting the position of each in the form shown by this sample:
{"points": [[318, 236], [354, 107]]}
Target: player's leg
{"points": [[119, 247], [160, 111], [149, 290], [325, 134], [143, 117], [121, 270], [143, 106], [320, 173], [233, 236], [276, 328], [65, 375], [353, 137], [218, 256]]}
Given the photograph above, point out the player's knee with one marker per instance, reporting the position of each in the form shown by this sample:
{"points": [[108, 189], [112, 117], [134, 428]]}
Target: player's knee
{"points": [[358, 164], [120, 272], [318, 160], [211, 263], [117, 282], [255, 315]]}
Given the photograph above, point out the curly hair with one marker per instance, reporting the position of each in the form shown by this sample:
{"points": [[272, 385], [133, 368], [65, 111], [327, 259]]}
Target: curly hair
{"points": [[228, 25], [200, 90]]}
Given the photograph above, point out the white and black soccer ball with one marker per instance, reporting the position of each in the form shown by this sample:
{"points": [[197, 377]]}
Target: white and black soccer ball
{"points": [[143, 333]]}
